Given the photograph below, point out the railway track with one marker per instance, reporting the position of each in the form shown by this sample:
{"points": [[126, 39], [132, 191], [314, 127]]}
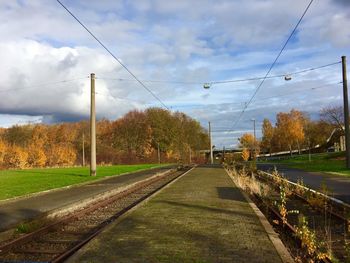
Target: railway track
{"points": [[334, 206], [59, 240], [328, 221]]}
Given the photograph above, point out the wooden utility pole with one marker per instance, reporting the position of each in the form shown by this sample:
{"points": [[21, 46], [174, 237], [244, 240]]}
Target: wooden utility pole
{"points": [[346, 112], [83, 150], [211, 146], [93, 127], [190, 155]]}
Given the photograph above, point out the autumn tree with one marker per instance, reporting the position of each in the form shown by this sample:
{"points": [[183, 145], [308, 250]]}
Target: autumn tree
{"points": [[245, 154], [133, 134], [36, 156], [176, 133], [3, 148], [61, 155], [247, 141], [15, 157], [267, 135], [36, 147], [163, 128], [194, 137], [102, 138], [289, 130], [132, 138], [19, 135]]}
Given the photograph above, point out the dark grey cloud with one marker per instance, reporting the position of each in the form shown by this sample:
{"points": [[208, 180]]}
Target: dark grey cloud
{"points": [[344, 3]]}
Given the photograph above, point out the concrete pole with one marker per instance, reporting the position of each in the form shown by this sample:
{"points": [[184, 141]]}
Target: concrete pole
{"points": [[346, 112], [83, 150], [211, 146], [93, 127], [158, 153]]}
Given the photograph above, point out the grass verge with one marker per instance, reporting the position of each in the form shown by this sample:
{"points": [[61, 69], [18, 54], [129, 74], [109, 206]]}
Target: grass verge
{"points": [[15, 183]]}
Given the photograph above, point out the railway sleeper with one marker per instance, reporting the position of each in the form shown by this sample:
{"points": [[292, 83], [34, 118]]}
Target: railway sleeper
{"points": [[37, 251], [58, 241]]}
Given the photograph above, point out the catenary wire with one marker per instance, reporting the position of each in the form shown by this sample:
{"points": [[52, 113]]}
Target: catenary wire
{"points": [[261, 99], [224, 81], [272, 65], [110, 52], [276, 76], [314, 88]]}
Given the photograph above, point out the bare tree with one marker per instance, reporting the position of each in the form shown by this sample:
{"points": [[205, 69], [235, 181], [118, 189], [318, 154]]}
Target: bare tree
{"points": [[333, 115]]}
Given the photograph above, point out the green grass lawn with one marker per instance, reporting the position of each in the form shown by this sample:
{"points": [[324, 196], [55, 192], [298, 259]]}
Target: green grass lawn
{"points": [[21, 182], [322, 162]]}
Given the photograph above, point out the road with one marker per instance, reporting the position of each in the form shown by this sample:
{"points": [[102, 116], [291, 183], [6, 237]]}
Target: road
{"points": [[338, 185]]}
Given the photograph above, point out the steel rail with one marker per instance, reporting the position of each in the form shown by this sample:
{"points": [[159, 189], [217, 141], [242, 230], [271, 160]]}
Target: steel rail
{"points": [[70, 252], [289, 227], [333, 200], [60, 256]]}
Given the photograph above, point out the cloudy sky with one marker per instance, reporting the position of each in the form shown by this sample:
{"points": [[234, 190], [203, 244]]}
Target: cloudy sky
{"points": [[173, 47]]}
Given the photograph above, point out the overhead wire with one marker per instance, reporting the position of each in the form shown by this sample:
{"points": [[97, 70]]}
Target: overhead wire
{"points": [[276, 76], [110, 52], [264, 98], [314, 88], [155, 81], [273, 64], [224, 81]]}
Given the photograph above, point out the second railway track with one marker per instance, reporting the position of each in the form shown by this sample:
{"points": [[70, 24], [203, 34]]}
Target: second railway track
{"points": [[59, 240]]}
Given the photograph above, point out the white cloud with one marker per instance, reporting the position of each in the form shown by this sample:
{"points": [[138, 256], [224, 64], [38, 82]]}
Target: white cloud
{"points": [[40, 81], [193, 41]]}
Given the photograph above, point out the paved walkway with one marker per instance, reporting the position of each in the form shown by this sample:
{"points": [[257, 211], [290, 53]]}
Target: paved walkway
{"points": [[16, 211], [202, 217], [337, 184]]}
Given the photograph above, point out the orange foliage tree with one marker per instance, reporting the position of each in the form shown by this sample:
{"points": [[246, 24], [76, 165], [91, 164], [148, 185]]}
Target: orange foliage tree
{"points": [[36, 156], [61, 155], [3, 148], [131, 139], [15, 157], [247, 141], [289, 130], [267, 135], [245, 154]]}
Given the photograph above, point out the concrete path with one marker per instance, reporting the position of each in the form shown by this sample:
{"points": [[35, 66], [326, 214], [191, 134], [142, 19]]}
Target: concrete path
{"points": [[22, 209], [202, 217], [337, 184]]}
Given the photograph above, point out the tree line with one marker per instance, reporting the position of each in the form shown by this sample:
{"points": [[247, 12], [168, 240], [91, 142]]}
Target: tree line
{"points": [[134, 138], [293, 130]]}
